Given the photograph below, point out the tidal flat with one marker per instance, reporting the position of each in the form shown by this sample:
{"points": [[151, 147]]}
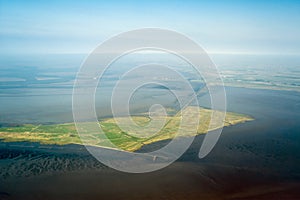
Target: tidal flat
{"points": [[253, 160]]}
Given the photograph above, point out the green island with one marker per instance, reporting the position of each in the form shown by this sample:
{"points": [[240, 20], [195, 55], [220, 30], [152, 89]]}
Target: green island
{"points": [[62, 134]]}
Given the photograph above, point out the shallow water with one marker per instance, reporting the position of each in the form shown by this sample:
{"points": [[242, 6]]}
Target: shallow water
{"points": [[254, 160]]}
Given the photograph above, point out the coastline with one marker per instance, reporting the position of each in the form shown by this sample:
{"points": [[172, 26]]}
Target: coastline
{"points": [[260, 152]]}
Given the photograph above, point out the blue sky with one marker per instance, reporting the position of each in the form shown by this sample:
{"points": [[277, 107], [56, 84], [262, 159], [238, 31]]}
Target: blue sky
{"points": [[259, 27]]}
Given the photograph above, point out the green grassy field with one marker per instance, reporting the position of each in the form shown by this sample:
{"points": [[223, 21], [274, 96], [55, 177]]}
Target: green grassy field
{"points": [[62, 134]]}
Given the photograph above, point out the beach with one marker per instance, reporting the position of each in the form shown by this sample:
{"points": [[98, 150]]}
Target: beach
{"points": [[253, 160]]}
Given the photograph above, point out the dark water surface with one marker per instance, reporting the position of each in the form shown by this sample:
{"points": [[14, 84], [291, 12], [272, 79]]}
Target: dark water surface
{"points": [[254, 160]]}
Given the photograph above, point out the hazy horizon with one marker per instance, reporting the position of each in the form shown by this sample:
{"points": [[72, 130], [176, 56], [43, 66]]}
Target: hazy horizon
{"points": [[55, 99], [252, 27]]}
